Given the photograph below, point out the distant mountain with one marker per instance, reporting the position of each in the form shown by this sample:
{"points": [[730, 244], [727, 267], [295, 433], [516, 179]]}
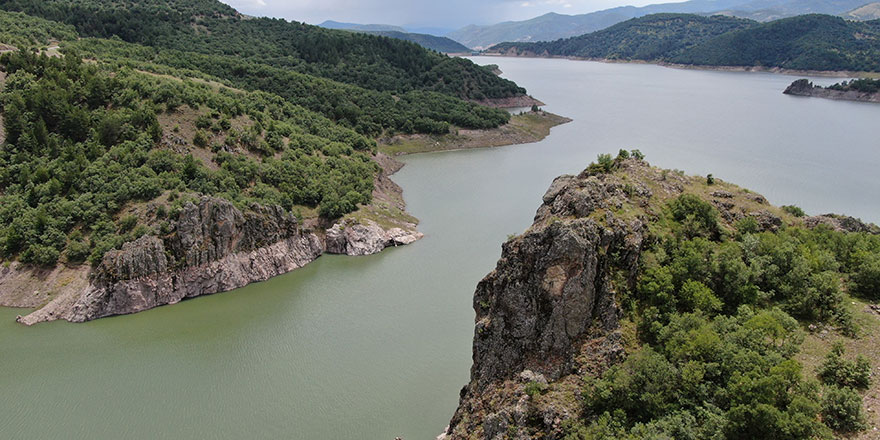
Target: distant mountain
{"points": [[439, 44], [805, 42], [330, 24], [554, 26], [436, 31], [871, 11]]}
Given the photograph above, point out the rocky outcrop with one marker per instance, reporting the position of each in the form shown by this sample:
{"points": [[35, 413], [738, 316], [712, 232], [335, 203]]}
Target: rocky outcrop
{"points": [[353, 238], [213, 247], [548, 311], [804, 87], [841, 223]]}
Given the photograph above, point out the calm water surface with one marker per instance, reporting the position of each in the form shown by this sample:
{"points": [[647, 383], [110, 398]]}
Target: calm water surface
{"points": [[377, 347]]}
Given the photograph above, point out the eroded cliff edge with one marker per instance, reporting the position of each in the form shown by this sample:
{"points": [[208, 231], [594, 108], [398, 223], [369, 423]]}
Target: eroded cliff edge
{"points": [[547, 317], [212, 246]]}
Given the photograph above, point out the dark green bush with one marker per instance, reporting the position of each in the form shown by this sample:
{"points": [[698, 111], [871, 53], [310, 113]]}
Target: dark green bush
{"points": [[841, 372], [842, 409]]}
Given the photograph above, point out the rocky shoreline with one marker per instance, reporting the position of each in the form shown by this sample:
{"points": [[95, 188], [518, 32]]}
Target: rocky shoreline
{"points": [[804, 87], [213, 247]]}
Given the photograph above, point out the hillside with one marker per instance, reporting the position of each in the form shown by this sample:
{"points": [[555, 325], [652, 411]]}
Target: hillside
{"points": [[643, 303], [208, 27], [438, 44], [330, 24], [132, 173], [551, 27], [807, 42], [871, 11], [659, 36]]}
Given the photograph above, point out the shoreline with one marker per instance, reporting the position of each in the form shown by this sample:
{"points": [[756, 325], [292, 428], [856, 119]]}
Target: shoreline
{"points": [[522, 129], [747, 69], [56, 294]]}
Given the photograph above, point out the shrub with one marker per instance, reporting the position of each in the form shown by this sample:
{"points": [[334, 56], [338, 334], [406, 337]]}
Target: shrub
{"points": [[710, 179], [842, 409], [534, 388], [697, 216], [200, 139], [866, 279], [793, 210], [836, 370]]}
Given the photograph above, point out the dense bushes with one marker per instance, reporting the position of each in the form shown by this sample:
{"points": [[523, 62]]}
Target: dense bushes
{"points": [[717, 319], [805, 42], [82, 143]]}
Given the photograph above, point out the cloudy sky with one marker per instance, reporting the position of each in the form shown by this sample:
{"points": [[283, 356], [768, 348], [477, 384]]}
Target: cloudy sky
{"points": [[422, 13]]}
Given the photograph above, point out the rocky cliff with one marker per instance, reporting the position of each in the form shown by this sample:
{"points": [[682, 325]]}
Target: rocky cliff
{"points": [[547, 311], [212, 247], [547, 317], [803, 87]]}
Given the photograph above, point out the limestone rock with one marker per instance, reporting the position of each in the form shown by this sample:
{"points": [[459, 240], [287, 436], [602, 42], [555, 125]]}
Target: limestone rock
{"points": [[353, 238]]}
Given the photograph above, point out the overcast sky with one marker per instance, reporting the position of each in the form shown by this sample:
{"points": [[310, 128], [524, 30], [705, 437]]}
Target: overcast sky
{"points": [[422, 13]]}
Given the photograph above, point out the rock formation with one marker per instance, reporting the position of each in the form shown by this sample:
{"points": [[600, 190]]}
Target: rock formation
{"points": [[804, 87], [212, 247]]}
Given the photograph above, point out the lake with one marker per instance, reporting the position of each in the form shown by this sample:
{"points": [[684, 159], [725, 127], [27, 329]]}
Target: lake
{"points": [[377, 347]]}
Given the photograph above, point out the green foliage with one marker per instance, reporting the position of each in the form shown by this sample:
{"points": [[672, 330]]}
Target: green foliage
{"points": [[710, 179], [534, 388], [25, 31], [697, 217], [806, 42], [863, 85], [83, 141], [842, 410], [793, 210], [866, 279], [841, 372]]}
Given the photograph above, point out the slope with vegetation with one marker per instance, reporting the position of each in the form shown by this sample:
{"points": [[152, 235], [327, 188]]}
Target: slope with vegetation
{"points": [[438, 44], [643, 303], [552, 26], [864, 90], [159, 119], [808, 42]]}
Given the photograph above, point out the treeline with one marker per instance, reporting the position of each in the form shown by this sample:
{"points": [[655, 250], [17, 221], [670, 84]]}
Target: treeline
{"points": [[82, 143], [807, 42], [717, 318], [209, 27], [864, 85]]}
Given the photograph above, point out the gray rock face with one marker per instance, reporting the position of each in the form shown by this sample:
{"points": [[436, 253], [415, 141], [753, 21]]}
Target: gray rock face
{"points": [[214, 248], [548, 298], [356, 239], [842, 223]]}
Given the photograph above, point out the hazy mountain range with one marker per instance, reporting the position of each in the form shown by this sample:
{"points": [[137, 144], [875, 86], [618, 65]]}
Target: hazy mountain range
{"points": [[550, 27]]}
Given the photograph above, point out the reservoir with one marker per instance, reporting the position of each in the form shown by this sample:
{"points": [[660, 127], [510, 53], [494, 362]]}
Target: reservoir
{"points": [[377, 347]]}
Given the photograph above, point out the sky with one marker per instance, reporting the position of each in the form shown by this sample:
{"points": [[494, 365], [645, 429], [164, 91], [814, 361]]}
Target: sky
{"points": [[449, 14]]}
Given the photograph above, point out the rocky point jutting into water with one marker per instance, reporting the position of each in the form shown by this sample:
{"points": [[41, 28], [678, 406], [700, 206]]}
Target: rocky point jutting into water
{"points": [[803, 87], [548, 313]]}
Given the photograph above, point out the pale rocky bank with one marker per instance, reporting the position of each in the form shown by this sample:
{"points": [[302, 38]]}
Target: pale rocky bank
{"points": [[211, 247]]}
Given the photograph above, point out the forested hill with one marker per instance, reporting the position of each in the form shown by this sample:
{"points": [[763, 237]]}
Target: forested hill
{"points": [[652, 37], [806, 42], [104, 141], [210, 27], [439, 44]]}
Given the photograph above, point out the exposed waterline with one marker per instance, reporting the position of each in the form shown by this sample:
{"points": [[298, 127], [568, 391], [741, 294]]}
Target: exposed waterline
{"points": [[377, 347]]}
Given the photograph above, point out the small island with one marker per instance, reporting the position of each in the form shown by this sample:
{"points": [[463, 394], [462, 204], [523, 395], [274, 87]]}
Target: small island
{"points": [[864, 90]]}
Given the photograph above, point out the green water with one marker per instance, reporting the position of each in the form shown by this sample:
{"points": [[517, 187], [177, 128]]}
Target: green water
{"points": [[377, 347]]}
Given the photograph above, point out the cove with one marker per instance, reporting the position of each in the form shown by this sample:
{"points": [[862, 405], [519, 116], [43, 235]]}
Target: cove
{"points": [[377, 347]]}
